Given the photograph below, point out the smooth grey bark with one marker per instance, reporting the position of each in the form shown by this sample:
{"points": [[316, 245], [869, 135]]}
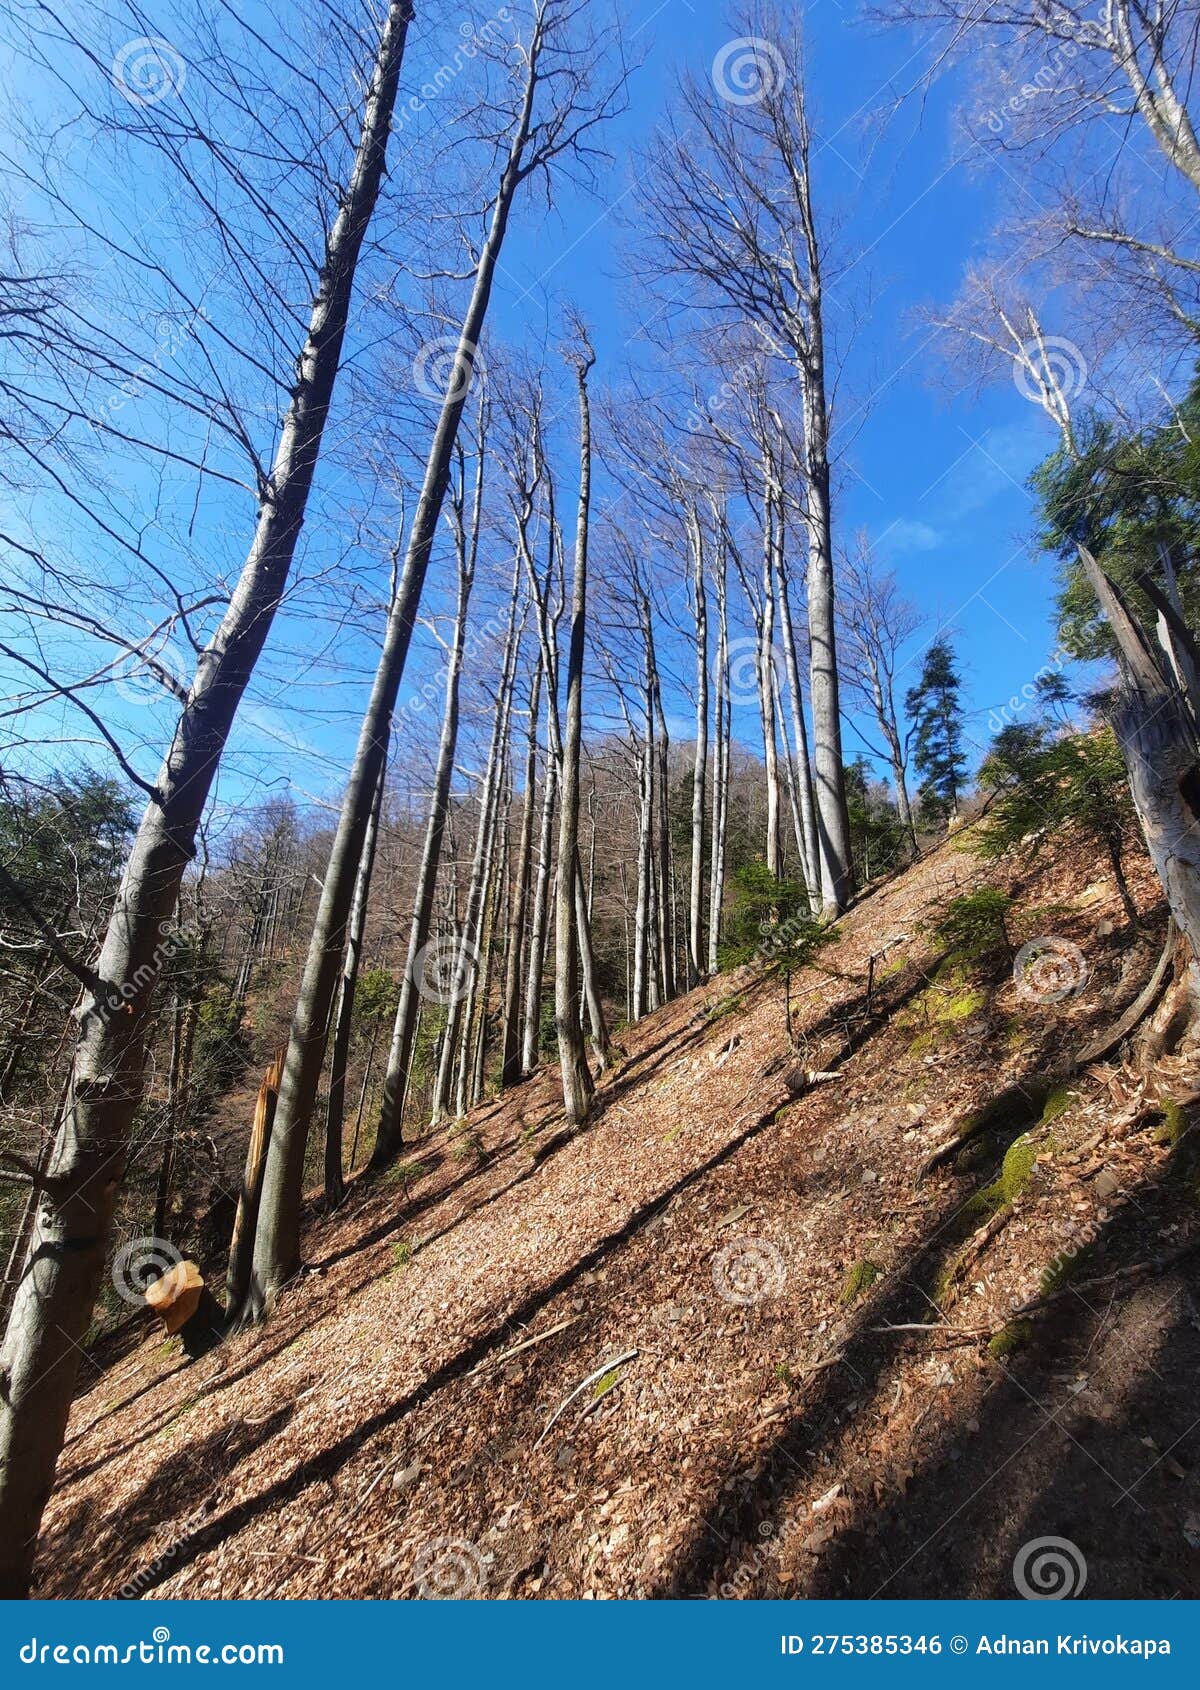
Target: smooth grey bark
{"points": [[335, 1110], [807, 840], [511, 1063], [389, 1135], [576, 1076], [65, 1261], [277, 1246], [723, 724], [540, 924], [467, 958], [697, 957]]}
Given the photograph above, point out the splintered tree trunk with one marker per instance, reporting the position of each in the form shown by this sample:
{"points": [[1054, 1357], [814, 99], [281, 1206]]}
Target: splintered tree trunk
{"points": [[696, 953], [1154, 728], [576, 1077], [335, 1113], [511, 1068], [277, 1248], [66, 1256]]}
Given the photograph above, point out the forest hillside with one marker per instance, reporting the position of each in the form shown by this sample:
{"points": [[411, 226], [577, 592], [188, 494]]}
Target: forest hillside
{"points": [[765, 1328]]}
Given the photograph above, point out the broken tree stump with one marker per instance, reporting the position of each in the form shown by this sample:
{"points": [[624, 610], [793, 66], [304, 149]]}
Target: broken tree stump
{"points": [[186, 1307]]}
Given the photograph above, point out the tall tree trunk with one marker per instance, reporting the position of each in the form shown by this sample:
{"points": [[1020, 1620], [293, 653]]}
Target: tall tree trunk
{"points": [[809, 852], [766, 694], [39, 1360], [539, 926], [467, 960], [511, 1069], [1153, 725], [833, 821], [576, 1077], [697, 957], [277, 1248], [389, 1134], [335, 1112], [723, 725], [665, 897]]}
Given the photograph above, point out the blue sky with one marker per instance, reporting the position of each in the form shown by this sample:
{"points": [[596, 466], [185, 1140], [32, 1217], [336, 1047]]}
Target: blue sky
{"points": [[936, 476]]}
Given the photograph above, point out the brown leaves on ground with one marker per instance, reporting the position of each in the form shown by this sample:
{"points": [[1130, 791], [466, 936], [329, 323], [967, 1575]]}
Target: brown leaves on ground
{"points": [[715, 1256]]}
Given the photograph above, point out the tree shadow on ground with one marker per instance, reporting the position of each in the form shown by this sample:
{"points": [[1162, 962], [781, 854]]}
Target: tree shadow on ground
{"points": [[1055, 1448]]}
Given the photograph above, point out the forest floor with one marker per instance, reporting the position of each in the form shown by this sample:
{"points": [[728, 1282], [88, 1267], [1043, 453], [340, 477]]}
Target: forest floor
{"points": [[716, 1254]]}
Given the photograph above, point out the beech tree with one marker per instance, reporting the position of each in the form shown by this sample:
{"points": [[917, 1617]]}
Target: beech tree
{"points": [[557, 94], [729, 198], [577, 1080], [66, 1253]]}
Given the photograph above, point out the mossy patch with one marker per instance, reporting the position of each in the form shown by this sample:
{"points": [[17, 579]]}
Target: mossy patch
{"points": [[1059, 1101], [1016, 1171], [1010, 1339], [405, 1173], [859, 1279], [1174, 1125], [402, 1254], [949, 1001]]}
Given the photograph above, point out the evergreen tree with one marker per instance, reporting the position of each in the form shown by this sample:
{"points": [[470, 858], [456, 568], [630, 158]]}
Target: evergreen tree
{"points": [[877, 838], [1043, 784], [935, 709]]}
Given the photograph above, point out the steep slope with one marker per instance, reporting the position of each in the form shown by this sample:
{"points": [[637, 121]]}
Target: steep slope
{"points": [[715, 1256]]}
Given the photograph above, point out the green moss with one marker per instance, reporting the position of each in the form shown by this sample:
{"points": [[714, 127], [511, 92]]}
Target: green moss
{"points": [[1011, 1338], [1174, 1124], [1059, 1101], [963, 1007], [1017, 1168], [605, 1384], [405, 1173], [402, 1254], [859, 1280], [465, 1143]]}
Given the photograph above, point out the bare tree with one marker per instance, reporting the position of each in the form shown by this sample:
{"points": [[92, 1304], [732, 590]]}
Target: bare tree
{"points": [[67, 1251], [556, 99], [576, 1076], [876, 624], [729, 198]]}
